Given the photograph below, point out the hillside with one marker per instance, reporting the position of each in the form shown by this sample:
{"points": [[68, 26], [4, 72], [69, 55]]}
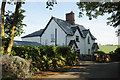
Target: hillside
{"points": [[107, 48]]}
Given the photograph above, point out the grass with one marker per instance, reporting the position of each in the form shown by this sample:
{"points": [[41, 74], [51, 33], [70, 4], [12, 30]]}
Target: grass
{"points": [[107, 48]]}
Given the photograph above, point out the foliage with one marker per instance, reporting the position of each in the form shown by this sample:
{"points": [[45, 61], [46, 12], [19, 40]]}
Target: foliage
{"points": [[9, 19], [117, 51], [112, 56], [13, 24], [100, 52], [64, 51], [46, 57], [50, 4], [94, 9]]}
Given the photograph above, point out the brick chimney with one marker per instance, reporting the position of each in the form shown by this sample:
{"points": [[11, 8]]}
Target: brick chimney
{"points": [[70, 17]]}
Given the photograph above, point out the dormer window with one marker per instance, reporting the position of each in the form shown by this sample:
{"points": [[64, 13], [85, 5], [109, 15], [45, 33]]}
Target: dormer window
{"points": [[88, 40], [77, 38]]}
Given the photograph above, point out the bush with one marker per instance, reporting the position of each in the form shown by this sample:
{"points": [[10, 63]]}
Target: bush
{"points": [[99, 52], [116, 55], [46, 57], [117, 51]]}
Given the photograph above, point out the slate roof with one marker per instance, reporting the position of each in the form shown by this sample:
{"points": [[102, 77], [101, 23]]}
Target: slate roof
{"points": [[85, 32], [25, 43], [71, 29], [66, 26], [37, 33]]}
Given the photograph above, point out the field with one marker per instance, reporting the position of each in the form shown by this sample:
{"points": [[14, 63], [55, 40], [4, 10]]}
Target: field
{"points": [[107, 48]]}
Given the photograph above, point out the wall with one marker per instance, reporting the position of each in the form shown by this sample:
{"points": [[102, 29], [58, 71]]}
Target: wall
{"points": [[88, 46], [119, 36], [80, 44], [46, 37]]}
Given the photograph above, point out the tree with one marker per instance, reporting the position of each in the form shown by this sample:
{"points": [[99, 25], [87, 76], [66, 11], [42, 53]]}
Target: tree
{"points": [[8, 26], [2, 24], [12, 26], [94, 9], [15, 21]]}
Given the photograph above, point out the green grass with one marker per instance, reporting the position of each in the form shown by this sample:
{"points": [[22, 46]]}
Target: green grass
{"points": [[107, 48]]}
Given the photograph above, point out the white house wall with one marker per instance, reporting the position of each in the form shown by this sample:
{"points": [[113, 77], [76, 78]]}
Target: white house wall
{"points": [[83, 42], [32, 39], [69, 38], [80, 44], [88, 46], [119, 40], [46, 37], [119, 36]]}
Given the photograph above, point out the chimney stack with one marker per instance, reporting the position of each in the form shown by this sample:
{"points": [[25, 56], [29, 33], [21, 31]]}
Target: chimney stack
{"points": [[70, 18]]}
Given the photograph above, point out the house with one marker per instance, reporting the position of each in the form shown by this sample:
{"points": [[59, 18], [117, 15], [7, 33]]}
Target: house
{"points": [[119, 35], [60, 32]]}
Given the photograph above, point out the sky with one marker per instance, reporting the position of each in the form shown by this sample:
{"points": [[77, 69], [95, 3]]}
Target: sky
{"points": [[37, 17]]}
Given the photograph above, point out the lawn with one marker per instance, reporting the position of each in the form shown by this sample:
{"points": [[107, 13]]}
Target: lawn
{"points": [[107, 48]]}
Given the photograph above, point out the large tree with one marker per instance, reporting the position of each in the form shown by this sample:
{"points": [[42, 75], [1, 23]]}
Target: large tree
{"points": [[13, 24], [95, 9], [8, 26], [2, 24]]}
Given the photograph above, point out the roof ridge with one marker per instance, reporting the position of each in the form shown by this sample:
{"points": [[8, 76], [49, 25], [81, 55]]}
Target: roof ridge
{"points": [[61, 19]]}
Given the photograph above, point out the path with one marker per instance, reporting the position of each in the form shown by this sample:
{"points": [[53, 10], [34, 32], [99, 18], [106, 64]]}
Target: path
{"points": [[99, 70]]}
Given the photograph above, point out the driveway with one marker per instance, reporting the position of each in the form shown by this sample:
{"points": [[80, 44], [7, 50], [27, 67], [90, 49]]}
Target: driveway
{"points": [[90, 71]]}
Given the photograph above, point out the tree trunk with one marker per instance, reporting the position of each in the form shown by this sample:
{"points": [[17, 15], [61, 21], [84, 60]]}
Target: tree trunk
{"points": [[18, 6], [2, 24], [11, 41]]}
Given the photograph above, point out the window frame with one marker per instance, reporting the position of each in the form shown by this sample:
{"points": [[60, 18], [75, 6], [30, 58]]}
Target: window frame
{"points": [[77, 39], [88, 40]]}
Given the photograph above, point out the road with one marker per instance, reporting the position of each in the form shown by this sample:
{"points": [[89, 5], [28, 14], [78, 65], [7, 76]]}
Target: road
{"points": [[92, 71]]}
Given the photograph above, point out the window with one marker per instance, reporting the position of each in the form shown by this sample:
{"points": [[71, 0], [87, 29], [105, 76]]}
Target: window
{"points": [[88, 40], [88, 51], [52, 38], [77, 38], [46, 42]]}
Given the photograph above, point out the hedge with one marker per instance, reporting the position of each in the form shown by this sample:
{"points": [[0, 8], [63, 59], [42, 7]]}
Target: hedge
{"points": [[46, 57]]}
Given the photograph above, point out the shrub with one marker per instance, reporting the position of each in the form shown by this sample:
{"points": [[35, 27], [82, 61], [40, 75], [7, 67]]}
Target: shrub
{"points": [[46, 57], [99, 52], [117, 51]]}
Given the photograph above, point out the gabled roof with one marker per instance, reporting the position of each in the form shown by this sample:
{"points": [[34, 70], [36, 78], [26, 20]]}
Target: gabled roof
{"points": [[85, 32], [25, 43], [88, 31], [66, 26], [72, 42], [37, 33]]}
